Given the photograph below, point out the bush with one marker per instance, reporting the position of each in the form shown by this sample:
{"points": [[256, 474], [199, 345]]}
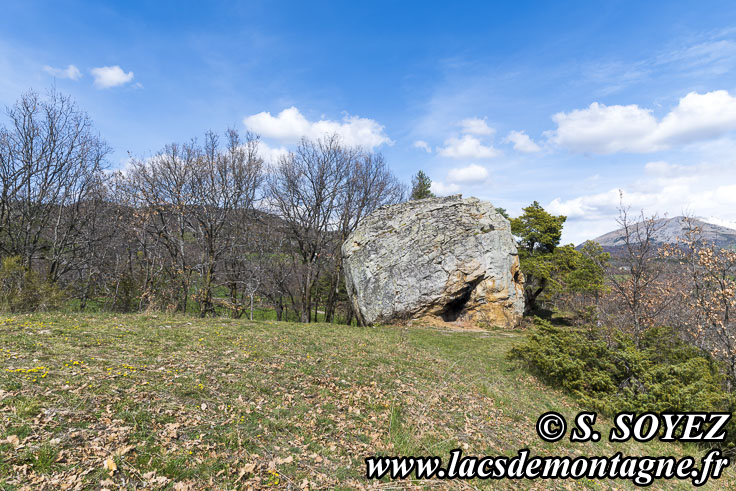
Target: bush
{"points": [[663, 375], [22, 290]]}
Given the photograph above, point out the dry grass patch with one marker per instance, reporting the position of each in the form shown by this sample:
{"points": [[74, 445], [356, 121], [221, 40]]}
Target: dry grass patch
{"points": [[132, 401]]}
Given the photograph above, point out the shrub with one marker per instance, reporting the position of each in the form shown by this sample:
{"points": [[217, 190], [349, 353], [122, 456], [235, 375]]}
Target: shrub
{"points": [[22, 290], [663, 374]]}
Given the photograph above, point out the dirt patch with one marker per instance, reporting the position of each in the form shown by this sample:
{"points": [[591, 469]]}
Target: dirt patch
{"points": [[439, 323]]}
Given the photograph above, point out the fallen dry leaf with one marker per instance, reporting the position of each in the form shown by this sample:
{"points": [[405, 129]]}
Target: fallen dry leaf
{"points": [[124, 450], [246, 469], [110, 466], [160, 480]]}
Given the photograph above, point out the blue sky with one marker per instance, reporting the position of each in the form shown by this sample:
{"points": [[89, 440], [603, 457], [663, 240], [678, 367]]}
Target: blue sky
{"points": [[560, 102]]}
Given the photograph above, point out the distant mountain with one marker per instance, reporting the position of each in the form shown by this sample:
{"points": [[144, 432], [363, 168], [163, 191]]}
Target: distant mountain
{"points": [[670, 229]]}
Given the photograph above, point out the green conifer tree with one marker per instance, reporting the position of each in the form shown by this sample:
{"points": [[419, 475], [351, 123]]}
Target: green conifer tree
{"points": [[420, 186]]}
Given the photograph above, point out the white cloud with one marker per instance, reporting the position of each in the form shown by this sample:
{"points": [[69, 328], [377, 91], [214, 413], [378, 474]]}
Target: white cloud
{"points": [[589, 206], [712, 56], [522, 142], [704, 189], [421, 144], [472, 173], [721, 222], [476, 126], [71, 72], [699, 117], [110, 76], [271, 154], [441, 189], [467, 147], [460, 178], [290, 125], [605, 129], [658, 167]]}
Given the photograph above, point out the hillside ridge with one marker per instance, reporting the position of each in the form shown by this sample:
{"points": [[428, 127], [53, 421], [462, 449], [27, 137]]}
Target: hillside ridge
{"points": [[670, 230]]}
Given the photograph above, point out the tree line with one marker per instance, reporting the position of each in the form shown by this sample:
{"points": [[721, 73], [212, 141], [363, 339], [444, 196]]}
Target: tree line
{"points": [[687, 287], [205, 225], [648, 327]]}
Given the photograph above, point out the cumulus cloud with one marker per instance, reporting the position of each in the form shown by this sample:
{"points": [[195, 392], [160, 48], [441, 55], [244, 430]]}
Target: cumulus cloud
{"points": [[467, 147], [421, 144], [605, 129], [290, 125], [459, 179], [271, 154], [476, 126], [522, 142], [590, 206], [472, 173], [110, 76], [699, 117], [441, 189], [474, 141], [704, 189], [721, 222], [71, 72]]}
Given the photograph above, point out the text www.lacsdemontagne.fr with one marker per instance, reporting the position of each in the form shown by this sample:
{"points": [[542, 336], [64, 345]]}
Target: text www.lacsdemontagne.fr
{"points": [[641, 470]]}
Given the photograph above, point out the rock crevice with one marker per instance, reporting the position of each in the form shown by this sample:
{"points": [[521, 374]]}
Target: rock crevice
{"points": [[449, 259]]}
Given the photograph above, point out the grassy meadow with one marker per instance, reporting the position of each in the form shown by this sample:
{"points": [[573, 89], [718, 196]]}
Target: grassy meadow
{"points": [[105, 401]]}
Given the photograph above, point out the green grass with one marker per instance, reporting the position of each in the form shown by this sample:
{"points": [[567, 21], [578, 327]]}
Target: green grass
{"points": [[229, 404], [261, 312]]}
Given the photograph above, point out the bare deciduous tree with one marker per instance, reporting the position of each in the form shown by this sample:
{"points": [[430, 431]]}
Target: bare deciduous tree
{"points": [[321, 191], [708, 294], [225, 184], [637, 283], [191, 193], [304, 188], [174, 227], [50, 161], [162, 187]]}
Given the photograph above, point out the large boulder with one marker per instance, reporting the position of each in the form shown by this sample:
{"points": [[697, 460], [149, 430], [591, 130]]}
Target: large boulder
{"points": [[443, 259]]}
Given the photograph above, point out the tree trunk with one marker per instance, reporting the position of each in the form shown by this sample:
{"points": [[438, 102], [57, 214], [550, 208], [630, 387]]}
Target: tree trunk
{"points": [[530, 296], [233, 287], [184, 296], [279, 309], [350, 315], [333, 291], [306, 307], [85, 296], [205, 305]]}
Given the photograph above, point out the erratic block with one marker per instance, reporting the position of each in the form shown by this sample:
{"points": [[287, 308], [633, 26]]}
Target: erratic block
{"points": [[448, 259]]}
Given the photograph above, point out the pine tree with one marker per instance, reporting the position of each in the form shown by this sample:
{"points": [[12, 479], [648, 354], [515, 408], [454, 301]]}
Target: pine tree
{"points": [[539, 235], [420, 186]]}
